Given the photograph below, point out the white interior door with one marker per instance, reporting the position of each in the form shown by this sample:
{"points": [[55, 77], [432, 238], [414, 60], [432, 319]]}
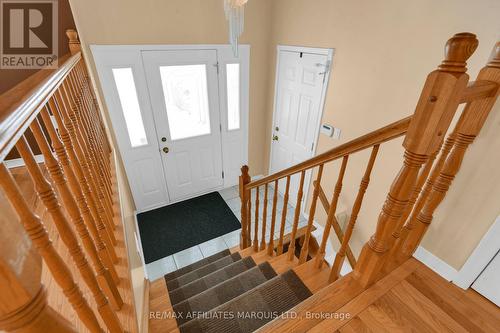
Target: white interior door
{"points": [[487, 283], [183, 87], [299, 90]]}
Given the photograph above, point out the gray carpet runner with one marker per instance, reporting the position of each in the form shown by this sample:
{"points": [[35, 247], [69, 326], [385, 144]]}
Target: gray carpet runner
{"points": [[202, 271], [253, 309], [223, 292], [196, 265], [208, 281]]}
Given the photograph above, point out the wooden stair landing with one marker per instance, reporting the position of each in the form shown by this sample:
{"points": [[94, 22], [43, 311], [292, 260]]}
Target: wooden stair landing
{"points": [[411, 298]]}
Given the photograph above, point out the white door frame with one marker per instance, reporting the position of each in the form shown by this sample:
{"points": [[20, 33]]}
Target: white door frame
{"points": [[101, 55], [485, 251], [328, 52]]}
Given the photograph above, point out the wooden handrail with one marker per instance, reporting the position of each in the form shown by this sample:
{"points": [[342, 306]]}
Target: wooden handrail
{"points": [[21, 104], [386, 133]]}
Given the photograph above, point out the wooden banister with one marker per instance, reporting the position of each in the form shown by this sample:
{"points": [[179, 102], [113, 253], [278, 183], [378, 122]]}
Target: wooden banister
{"points": [[381, 135], [20, 105]]}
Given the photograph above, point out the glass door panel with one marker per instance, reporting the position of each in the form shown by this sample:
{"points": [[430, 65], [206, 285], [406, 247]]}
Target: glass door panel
{"points": [[186, 100]]}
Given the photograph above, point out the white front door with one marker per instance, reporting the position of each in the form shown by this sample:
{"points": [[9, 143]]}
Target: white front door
{"points": [[183, 87], [174, 97], [299, 91]]}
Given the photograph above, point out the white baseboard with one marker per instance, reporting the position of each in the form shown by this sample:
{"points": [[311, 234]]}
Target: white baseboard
{"points": [[480, 257], [437, 265], [19, 162]]}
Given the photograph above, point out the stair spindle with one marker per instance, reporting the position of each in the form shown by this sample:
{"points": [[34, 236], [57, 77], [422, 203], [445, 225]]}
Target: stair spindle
{"points": [[264, 220], [304, 252], [256, 226], [332, 209], [283, 217], [365, 181], [270, 245], [298, 205]]}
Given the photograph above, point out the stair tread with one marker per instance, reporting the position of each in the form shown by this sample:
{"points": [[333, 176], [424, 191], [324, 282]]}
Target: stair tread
{"points": [[196, 265], [202, 271], [223, 292], [271, 298], [214, 278]]}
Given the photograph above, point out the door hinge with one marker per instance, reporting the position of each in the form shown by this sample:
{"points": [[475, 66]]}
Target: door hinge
{"points": [[217, 66], [220, 127], [222, 174], [312, 146]]}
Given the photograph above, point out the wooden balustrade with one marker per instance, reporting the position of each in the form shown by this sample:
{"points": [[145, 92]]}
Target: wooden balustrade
{"points": [[77, 192], [69, 202], [38, 235], [429, 165]]}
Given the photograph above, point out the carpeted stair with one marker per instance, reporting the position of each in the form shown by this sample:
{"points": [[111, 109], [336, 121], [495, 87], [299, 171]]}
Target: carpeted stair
{"points": [[208, 281], [227, 293], [223, 292]]}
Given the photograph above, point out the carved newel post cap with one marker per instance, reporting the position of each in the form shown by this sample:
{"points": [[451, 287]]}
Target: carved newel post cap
{"points": [[74, 43], [458, 49], [495, 57], [244, 170]]}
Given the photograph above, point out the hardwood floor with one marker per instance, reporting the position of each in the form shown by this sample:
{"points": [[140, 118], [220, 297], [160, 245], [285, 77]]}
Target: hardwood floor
{"points": [[421, 302], [56, 299]]}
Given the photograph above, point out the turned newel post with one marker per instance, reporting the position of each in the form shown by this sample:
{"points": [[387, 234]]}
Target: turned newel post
{"points": [[434, 112], [244, 196], [468, 127], [74, 43]]}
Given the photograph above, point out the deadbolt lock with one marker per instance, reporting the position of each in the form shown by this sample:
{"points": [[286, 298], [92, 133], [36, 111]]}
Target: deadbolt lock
{"points": [[164, 139], [166, 150], [277, 129]]}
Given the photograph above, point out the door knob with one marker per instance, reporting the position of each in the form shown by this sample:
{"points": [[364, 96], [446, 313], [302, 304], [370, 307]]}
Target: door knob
{"points": [[275, 138], [166, 150]]}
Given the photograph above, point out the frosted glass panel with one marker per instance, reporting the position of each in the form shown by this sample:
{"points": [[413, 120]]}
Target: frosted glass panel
{"points": [[233, 96], [186, 99], [124, 80]]}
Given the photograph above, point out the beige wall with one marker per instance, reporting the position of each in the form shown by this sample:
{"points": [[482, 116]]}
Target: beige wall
{"points": [[383, 51]]}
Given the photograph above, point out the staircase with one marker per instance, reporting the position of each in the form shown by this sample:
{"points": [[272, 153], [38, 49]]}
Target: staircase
{"points": [[254, 285], [269, 285]]}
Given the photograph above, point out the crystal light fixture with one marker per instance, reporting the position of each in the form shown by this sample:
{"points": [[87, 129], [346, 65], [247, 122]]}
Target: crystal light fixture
{"points": [[235, 14]]}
